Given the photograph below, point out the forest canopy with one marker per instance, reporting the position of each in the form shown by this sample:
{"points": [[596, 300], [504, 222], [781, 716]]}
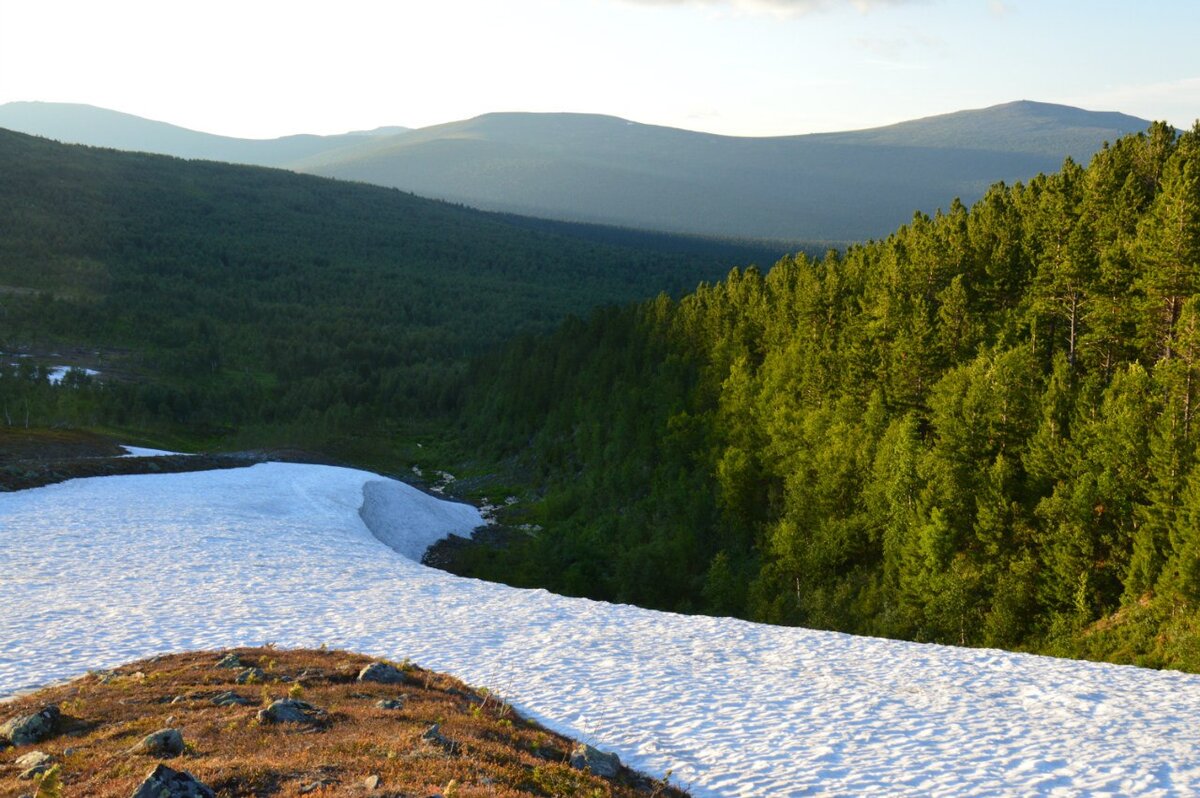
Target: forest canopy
{"points": [[980, 430]]}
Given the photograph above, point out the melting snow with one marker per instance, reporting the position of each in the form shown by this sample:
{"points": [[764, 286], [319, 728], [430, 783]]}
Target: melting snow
{"points": [[96, 572], [56, 373], [142, 451]]}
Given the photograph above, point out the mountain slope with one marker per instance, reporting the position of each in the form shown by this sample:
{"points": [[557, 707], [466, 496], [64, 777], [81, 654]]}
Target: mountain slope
{"points": [[842, 186], [246, 295], [99, 127], [601, 169]]}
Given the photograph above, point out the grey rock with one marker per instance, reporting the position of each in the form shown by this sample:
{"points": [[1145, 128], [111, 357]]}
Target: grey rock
{"points": [[251, 675], [231, 699], [32, 759], [434, 735], [163, 782], [230, 660], [584, 757], [382, 673], [35, 771], [165, 742], [291, 710], [29, 729], [35, 763], [390, 703]]}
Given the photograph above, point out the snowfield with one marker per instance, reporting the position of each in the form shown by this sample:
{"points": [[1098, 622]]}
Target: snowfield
{"points": [[96, 572]]}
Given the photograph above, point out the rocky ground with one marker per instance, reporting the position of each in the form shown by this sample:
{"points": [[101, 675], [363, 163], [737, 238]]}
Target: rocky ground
{"points": [[31, 458], [268, 722]]}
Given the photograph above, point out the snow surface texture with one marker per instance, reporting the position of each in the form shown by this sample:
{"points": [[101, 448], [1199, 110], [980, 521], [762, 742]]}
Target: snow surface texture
{"points": [[96, 572]]}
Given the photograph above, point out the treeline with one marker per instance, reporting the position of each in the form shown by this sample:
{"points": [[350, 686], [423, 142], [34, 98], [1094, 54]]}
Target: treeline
{"points": [[981, 430], [243, 297]]}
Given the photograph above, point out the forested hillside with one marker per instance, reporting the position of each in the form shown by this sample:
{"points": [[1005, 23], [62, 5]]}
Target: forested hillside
{"points": [[215, 298], [980, 430]]}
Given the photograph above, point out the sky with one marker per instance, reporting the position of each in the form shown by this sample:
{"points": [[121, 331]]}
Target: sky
{"points": [[261, 68]]}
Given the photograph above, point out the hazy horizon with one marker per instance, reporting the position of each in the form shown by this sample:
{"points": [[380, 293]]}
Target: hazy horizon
{"points": [[731, 67], [400, 125]]}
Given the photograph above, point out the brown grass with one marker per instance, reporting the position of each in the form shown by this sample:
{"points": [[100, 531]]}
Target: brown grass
{"points": [[490, 750]]}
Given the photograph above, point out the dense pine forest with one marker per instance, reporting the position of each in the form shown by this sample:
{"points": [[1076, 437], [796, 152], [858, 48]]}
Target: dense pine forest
{"points": [[978, 431], [222, 301]]}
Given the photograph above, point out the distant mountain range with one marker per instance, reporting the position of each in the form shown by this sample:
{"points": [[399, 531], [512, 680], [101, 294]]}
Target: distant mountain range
{"points": [[100, 127], [602, 169]]}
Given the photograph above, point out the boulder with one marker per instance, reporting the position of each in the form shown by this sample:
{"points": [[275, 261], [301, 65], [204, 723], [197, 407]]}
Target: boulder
{"points": [[165, 742], [382, 673], [584, 757], [291, 710], [163, 782], [29, 729], [230, 660]]}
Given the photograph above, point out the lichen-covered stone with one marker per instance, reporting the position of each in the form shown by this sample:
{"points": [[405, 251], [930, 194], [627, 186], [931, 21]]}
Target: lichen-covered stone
{"points": [[585, 757], [382, 673], [291, 710], [163, 782], [29, 729], [250, 676], [164, 742], [231, 699]]}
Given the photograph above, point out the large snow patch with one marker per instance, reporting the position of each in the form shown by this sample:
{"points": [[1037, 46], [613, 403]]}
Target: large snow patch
{"points": [[96, 572]]}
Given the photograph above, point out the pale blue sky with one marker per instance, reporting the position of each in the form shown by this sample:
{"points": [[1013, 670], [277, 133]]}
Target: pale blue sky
{"points": [[262, 68]]}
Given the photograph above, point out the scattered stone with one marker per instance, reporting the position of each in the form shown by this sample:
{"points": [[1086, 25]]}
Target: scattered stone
{"points": [[291, 710], [434, 735], [165, 742], [163, 782], [371, 782], [390, 703], [382, 673], [179, 699], [250, 676], [231, 699], [29, 729], [33, 764], [230, 660], [584, 757]]}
